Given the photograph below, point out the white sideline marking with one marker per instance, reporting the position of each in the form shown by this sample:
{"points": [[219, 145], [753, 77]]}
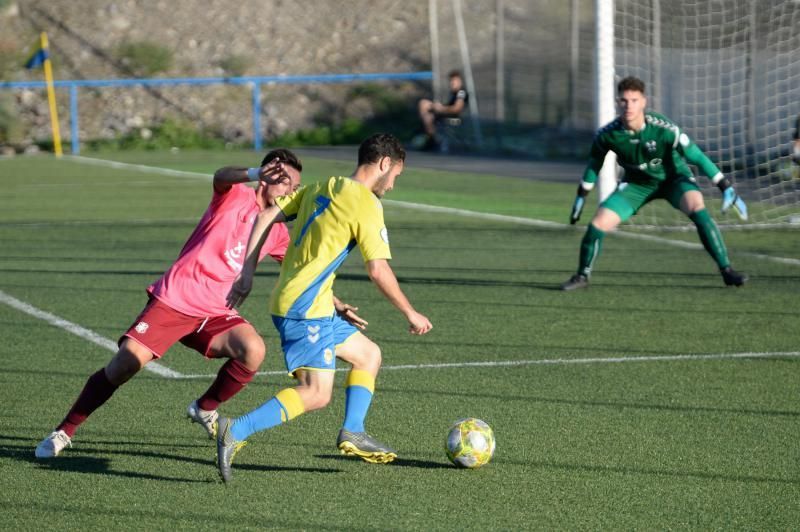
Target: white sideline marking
{"points": [[553, 362], [163, 371], [444, 210], [82, 332], [139, 167]]}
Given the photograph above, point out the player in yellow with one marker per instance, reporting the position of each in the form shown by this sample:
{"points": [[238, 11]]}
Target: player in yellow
{"points": [[331, 218]]}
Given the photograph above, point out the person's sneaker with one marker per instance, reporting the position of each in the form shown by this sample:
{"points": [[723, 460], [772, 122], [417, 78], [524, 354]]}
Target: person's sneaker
{"points": [[206, 418], [575, 282], [227, 448], [732, 277], [52, 445], [364, 446]]}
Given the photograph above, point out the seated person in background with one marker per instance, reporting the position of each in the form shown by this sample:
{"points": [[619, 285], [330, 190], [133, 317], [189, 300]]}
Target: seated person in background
{"points": [[430, 112]]}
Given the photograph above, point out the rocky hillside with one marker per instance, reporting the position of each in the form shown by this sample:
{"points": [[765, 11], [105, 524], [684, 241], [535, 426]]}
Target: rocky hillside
{"points": [[128, 38]]}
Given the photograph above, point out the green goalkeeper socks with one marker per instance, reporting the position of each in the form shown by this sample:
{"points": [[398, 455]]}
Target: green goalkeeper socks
{"points": [[711, 237], [590, 248]]}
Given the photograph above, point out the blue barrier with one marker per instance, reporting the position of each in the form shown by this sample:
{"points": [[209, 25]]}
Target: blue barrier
{"points": [[255, 83]]}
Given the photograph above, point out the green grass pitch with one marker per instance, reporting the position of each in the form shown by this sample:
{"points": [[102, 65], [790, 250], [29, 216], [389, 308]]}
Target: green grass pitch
{"points": [[656, 399]]}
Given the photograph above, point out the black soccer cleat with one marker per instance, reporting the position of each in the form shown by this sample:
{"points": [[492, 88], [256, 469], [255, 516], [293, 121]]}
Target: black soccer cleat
{"points": [[732, 277], [575, 282]]}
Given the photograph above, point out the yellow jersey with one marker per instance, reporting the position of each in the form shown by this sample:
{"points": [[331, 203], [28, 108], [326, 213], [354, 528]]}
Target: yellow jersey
{"points": [[331, 218]]}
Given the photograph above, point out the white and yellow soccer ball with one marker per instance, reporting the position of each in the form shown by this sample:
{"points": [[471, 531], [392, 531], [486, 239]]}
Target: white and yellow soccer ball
{"points": [[470, 443]]}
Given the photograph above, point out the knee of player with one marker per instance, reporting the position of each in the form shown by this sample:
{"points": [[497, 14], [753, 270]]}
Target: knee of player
{"points": [[318, 400], [255, 352], [374, 355], [252, 353]]}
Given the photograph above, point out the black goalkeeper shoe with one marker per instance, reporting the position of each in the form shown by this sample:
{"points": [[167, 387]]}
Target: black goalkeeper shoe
{"points": [[732, 277], [575, 282]]}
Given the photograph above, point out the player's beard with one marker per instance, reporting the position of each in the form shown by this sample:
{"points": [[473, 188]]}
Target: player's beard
{"points": [[380, 184]]}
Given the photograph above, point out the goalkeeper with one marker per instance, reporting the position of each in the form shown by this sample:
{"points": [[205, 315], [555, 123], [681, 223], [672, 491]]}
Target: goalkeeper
{"points": [[653, 153]]}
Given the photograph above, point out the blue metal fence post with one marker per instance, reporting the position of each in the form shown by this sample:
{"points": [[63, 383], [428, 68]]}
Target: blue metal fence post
{"points": [[256, 116], [73, 118]]}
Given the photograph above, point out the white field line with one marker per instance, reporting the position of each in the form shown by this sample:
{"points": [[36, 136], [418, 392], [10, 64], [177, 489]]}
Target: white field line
{"points": [[163, 371], [443, 210], [554, 362], [169, 373], [79, 331], [138, 167]]}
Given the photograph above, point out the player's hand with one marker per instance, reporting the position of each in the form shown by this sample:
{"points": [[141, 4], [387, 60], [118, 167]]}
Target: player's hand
{"points": [[273, 172], [348, 313], [418, 324], [731, 199], [577, 209], [239, 291]]}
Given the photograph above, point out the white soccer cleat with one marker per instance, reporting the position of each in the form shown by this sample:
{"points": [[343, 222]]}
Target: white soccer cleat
{"points": [[206, 418], [51, 446]]}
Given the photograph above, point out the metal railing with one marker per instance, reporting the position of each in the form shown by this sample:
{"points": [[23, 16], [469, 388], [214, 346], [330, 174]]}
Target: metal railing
{"points": [[255, 83]]}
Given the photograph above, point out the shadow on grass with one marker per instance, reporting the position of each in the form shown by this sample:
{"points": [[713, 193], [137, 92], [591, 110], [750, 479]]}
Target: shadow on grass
{"points": [[76, 460], [398, 462]]}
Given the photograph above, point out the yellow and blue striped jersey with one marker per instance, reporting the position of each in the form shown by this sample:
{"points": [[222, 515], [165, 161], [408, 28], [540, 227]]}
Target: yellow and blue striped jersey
{"points": [[331, 218]]}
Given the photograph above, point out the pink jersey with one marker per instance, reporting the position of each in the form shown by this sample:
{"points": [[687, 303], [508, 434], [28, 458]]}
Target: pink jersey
{"points": [[200, 279]]}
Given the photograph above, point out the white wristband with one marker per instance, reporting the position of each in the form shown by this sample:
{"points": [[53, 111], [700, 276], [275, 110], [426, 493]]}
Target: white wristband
{"points": [[252, 174]]}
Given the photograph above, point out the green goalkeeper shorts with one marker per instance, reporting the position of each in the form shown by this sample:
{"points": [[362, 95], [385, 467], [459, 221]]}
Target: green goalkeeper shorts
{"points": [[630, 197]]}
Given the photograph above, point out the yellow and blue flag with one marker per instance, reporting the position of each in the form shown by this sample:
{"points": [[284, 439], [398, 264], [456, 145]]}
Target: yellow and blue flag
{"points": [[37, 59]]}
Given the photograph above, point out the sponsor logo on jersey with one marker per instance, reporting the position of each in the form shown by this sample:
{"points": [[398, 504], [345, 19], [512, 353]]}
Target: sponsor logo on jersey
{"points": [[142, 327], [328, 354], [385, 235], [313, 333], [233, 256], [650, 145], [655, 163], [684, 139]]}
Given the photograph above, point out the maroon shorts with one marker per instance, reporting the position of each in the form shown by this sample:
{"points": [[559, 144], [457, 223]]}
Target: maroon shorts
{"points": [[159, 326]]}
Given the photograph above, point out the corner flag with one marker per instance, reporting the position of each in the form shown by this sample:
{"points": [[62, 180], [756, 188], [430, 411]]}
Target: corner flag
{"points": [[37, 59], [41, 57]]}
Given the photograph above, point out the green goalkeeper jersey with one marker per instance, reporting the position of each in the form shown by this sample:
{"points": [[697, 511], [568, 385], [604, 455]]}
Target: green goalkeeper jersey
{"points": [[656, 153]]}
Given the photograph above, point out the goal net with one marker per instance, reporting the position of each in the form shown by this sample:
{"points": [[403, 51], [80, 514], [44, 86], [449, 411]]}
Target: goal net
{"points": [[728, 72]]}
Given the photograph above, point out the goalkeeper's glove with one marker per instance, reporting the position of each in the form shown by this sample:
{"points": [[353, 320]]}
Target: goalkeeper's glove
{"points": [[577, 206], [731, 199]]}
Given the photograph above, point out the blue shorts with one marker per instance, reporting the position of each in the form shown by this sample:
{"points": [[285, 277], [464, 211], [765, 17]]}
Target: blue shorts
{"points": [[311, 344]]}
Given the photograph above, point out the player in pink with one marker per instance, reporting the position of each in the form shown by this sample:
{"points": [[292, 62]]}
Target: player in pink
{"points": [[188, 303]]}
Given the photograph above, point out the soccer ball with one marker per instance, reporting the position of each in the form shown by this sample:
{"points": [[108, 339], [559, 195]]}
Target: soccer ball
{"points": [[470, 443]]}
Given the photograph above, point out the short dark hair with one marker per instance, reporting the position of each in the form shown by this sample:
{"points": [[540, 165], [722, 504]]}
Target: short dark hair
{"points": [[286, 156], [630, 84], [455, 74], [379, 146]]}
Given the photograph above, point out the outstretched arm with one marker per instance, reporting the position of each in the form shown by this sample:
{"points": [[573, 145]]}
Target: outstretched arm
{"points": [[258, 235], [382, 275]]}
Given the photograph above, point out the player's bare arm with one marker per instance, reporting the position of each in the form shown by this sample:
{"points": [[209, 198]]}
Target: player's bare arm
{"points": [[454, 109], [271, 173], [258, 235], [382, 275]]}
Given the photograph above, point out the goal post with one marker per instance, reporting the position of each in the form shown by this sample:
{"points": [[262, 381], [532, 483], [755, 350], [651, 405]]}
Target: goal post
{"points": [[728, 72]]}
